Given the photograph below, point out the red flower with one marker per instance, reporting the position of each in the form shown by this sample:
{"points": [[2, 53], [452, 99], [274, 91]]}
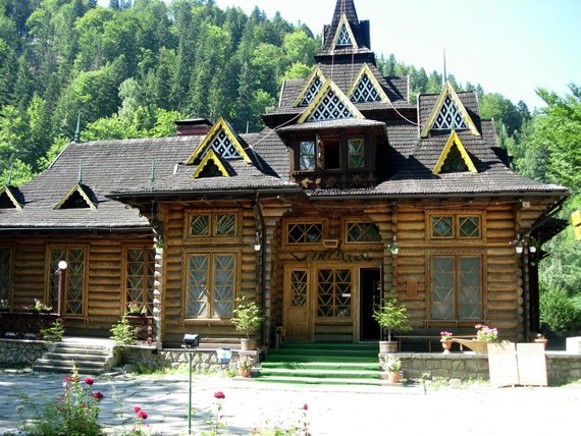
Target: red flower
{"points": [[305, 406], [142, 414], [98, 395], [89, 381], [137, 409], [219, 395]]}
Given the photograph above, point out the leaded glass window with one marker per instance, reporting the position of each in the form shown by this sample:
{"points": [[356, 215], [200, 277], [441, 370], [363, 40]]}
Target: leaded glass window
{"points": [[211, 282], [312, 91], [456, 226], [307, 155], [449, 117], [331, 107], [442, 227], [299, 288], [344, 38], [365, 91], [456, 287], [304, 233], [363, 232], [5, 268], [139, 276], [75, 279], [356, 150], [334, 293], [213, 224], [469, 226]]}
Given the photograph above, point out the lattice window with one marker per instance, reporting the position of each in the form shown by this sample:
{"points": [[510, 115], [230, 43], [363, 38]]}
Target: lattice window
{"points": [[211, 285], [75, 279], [334, 293], [139, 278], [356, 151], [5, 269], [225, 224], [442, 226], [299, 288], [224, 147], [469, 226], [456, 226], [449, 117], [365, 92], [456, 287], [314, 88], [363, 232], [200, 225], [331, 107], [213, 224], [307, 157], [304, 233], [344, 38]]}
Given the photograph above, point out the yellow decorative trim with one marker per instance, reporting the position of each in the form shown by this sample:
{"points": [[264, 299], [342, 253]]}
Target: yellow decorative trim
{"points": [[448, 90], [211, 156], [316, 73], [454, 139], [366, 70], [77, 188], [8, 192], [329, 84], [219, 125], [344, 22]]}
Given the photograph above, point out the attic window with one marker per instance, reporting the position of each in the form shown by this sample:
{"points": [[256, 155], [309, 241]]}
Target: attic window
{"points": [[224, 147], [6, 202], [311, 91], [454, 158], [365, 91], [331, 107], [8, 198], [454, 162], [210, 170], [449, 117], [344, 39], [76, 198]]}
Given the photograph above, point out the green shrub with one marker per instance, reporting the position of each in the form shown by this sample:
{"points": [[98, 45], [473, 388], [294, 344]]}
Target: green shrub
{"points": [[559, 312], [122, 333], [55, 332]]}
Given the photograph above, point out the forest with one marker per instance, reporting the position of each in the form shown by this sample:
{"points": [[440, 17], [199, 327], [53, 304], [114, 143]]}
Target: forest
{"points": [[73, 70]]}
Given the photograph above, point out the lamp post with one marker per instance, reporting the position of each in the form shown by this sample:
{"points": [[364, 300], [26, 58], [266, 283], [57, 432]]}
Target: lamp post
{"points": [[190, 342], [62, 275]]}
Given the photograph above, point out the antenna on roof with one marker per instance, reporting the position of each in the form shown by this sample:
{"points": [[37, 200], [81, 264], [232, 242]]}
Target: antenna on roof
{"points": [[247, 126], [152, 174], [80, 176], [78, 129], [9, 178], [445, 72]]}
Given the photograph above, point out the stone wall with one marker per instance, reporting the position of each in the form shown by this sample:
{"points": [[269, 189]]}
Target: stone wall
{"points": [[21, 352]]}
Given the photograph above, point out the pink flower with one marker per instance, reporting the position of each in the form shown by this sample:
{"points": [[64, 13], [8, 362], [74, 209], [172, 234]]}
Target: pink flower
{"points": [[305, 406], [141, 414], [137, 409], [98, 395], [219, 395], [89, 381]]}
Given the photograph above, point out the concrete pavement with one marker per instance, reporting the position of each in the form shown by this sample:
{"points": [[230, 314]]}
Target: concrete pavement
{"points": [[337, 411]]}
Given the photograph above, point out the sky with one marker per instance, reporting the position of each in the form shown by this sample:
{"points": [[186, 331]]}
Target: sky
{"points": [[511, 47]]}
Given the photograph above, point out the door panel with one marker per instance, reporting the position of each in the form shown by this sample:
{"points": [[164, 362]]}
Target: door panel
{"points": [[297, 320]]}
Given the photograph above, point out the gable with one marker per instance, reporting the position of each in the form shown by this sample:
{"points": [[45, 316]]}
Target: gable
{"points": [[212, 166], [449, 114], [222, 140], [454, 158], [344, 36], [77, 198], [330, 104], [310, 91], [8, 199], [366, 88]]}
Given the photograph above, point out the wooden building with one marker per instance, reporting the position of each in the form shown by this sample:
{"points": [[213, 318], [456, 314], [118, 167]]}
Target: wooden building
{"points": [[351, 191]]}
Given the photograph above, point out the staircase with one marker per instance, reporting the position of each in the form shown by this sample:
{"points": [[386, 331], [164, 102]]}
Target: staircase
{"points": [[322, 363], [88, 356]]}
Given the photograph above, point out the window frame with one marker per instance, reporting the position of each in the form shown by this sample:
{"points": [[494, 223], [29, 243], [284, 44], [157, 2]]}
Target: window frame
{"points": [[148, 279], [288, 222], [456, 228], [354, 221], [52, 280], [213, 215]]}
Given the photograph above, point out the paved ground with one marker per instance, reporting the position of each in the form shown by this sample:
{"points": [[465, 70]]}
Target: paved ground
{"points": [[338, 411]]}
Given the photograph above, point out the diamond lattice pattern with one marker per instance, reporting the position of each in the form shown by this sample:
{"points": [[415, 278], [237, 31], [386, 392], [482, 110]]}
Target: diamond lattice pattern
{"points": [[365, 92], [299, 288], [344, 38], [224, 147], [331, 107], [314, 88], [449, 117], [334, 293]]}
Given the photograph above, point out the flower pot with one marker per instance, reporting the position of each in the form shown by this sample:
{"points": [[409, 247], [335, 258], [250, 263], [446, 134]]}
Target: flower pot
{"points": [[542, 341], [394, 377], [247, 344], [446, 345], [245, 372], [387, 346]]}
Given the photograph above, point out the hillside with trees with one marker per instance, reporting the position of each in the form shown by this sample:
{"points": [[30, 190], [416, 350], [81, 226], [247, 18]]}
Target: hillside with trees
{"points": [[132, 69]]}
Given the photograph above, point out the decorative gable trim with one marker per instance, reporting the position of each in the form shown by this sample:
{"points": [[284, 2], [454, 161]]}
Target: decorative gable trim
{"points": [[344, 36], [80, 190], [7, 197], [330, 104], [220, 135], [212, 157], [314, 85], [449, 93], [367, 91], [454, 141]]}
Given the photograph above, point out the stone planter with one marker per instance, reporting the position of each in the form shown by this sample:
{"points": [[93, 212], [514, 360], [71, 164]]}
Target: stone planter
{"points": [[247, 344], [387, 347]]}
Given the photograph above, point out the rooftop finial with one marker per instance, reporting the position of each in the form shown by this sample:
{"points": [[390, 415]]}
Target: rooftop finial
{"points": [[9, 178], [80, 177], [152, 174], [78, 129], [445, 71]]}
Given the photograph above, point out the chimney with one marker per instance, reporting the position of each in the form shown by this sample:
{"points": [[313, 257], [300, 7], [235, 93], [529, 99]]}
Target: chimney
{"points": [[193, 127]]}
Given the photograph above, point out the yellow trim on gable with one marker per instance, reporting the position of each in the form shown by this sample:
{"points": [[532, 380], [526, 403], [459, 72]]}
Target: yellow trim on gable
{"points": [[8, 192], [316, 73], [220, 124], [366, 70], [77, 188], [454, 139], [344, 22], [448, 90], [211, 155], [329, 84]]}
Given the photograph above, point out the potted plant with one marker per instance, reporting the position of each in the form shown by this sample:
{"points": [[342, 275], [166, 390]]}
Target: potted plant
{"points": [[245, 365], [135, 309], [391, 366], [247, 318], [391, 316], [446, 340]]}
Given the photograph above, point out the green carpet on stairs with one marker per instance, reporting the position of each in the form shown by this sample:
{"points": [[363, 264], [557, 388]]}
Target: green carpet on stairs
{"points": [[322, 363]]}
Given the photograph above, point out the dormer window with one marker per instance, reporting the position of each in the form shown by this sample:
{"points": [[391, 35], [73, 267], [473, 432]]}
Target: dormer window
{"points": [[344, 39]]}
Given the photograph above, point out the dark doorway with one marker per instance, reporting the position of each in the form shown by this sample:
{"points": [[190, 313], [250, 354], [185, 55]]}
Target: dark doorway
{"points": [[370, 291]]}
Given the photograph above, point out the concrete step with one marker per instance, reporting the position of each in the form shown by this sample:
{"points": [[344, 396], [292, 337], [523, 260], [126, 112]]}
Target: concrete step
{"points": [[86, 357]]}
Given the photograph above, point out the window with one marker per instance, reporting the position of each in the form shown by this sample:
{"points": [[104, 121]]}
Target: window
{"points": [[304, 233], [75, 279], [334, 293], [299, 288], [211, 279], [139, 276], [5, 270], [344, 39], [456, 287], [213, 224], [356, 153], [449, 117], [455, 226], [307, 155], [363, 232], [365, 91]]}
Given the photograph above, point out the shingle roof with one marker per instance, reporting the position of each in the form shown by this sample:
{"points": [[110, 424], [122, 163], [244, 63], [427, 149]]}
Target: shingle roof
{"points": [[360, 31]]}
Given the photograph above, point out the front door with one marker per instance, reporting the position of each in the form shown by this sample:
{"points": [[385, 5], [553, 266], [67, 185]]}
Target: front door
{"points": [[370, 291], [297, 314]]}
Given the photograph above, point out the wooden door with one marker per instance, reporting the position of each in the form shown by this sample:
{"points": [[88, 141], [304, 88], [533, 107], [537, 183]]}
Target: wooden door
{"points": [[297, 314]]}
